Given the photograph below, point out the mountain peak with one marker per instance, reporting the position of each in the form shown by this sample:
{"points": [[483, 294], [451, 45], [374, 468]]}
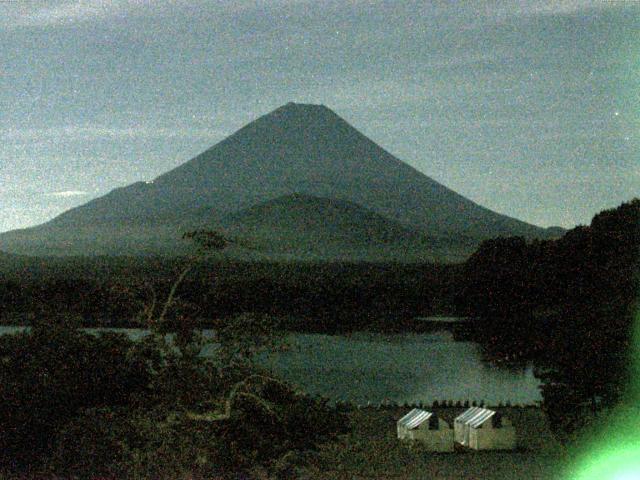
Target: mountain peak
{"points": [[301, 110], [303, 106]]}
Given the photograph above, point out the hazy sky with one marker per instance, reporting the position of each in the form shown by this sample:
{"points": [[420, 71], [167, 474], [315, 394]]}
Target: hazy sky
{"points": [[530, 108]]}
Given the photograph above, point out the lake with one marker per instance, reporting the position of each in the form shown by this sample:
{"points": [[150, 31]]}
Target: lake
{"points": [[411, 368]]}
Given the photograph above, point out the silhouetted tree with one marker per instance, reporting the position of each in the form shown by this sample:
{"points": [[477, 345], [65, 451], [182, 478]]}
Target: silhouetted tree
{"points": [[566, 304]]}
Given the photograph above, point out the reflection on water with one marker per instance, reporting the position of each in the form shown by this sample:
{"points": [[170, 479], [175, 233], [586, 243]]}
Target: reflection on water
{"points": [[413, 368], [402, 368]]}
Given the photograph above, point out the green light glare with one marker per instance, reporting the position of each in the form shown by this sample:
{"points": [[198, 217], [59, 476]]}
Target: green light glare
{"points": [[629, 475], [614, 464], [610, 450]]}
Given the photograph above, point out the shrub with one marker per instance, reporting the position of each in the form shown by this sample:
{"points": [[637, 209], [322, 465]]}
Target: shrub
{"points": [[50, 374]]}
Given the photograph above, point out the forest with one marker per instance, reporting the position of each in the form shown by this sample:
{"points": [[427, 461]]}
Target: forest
{"points": [[312, 297], [567, 305]]}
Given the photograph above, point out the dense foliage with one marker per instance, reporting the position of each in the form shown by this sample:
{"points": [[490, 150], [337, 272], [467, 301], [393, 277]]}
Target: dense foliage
{"points": [[84, 405], [567, 304]]}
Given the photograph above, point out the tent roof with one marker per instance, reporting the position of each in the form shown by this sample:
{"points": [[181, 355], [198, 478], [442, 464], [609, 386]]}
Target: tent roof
{"points": [[475, 416], [414, 418]]}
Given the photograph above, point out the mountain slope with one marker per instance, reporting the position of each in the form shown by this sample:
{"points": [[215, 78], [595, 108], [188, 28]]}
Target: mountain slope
{"points": [[313, 228], [305, 149]]}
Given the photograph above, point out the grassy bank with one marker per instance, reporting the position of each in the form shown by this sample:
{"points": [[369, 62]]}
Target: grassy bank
{"points": [[372, 450]]}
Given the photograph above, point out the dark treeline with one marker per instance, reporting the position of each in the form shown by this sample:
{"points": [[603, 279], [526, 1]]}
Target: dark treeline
{"points": [[316, 297], [566, 304]]}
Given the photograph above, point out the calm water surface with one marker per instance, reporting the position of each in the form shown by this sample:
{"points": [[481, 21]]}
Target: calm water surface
{"points": [[398, 367]]}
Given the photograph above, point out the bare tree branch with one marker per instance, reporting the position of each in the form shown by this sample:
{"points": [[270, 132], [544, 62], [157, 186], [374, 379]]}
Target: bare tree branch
{"points": [[174, 288], [154, 300]]}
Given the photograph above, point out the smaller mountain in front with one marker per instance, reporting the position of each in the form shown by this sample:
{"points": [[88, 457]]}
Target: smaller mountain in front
{"points": [[300, 226]]}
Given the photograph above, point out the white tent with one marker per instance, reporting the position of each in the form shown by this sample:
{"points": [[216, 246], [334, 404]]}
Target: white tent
{"points": [[483, 429], [433, 432]]}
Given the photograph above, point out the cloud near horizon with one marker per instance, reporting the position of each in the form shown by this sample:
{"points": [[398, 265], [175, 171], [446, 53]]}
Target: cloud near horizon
{"points": [[82, 132], [51, 14], [68, 193], [62, 13]]}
